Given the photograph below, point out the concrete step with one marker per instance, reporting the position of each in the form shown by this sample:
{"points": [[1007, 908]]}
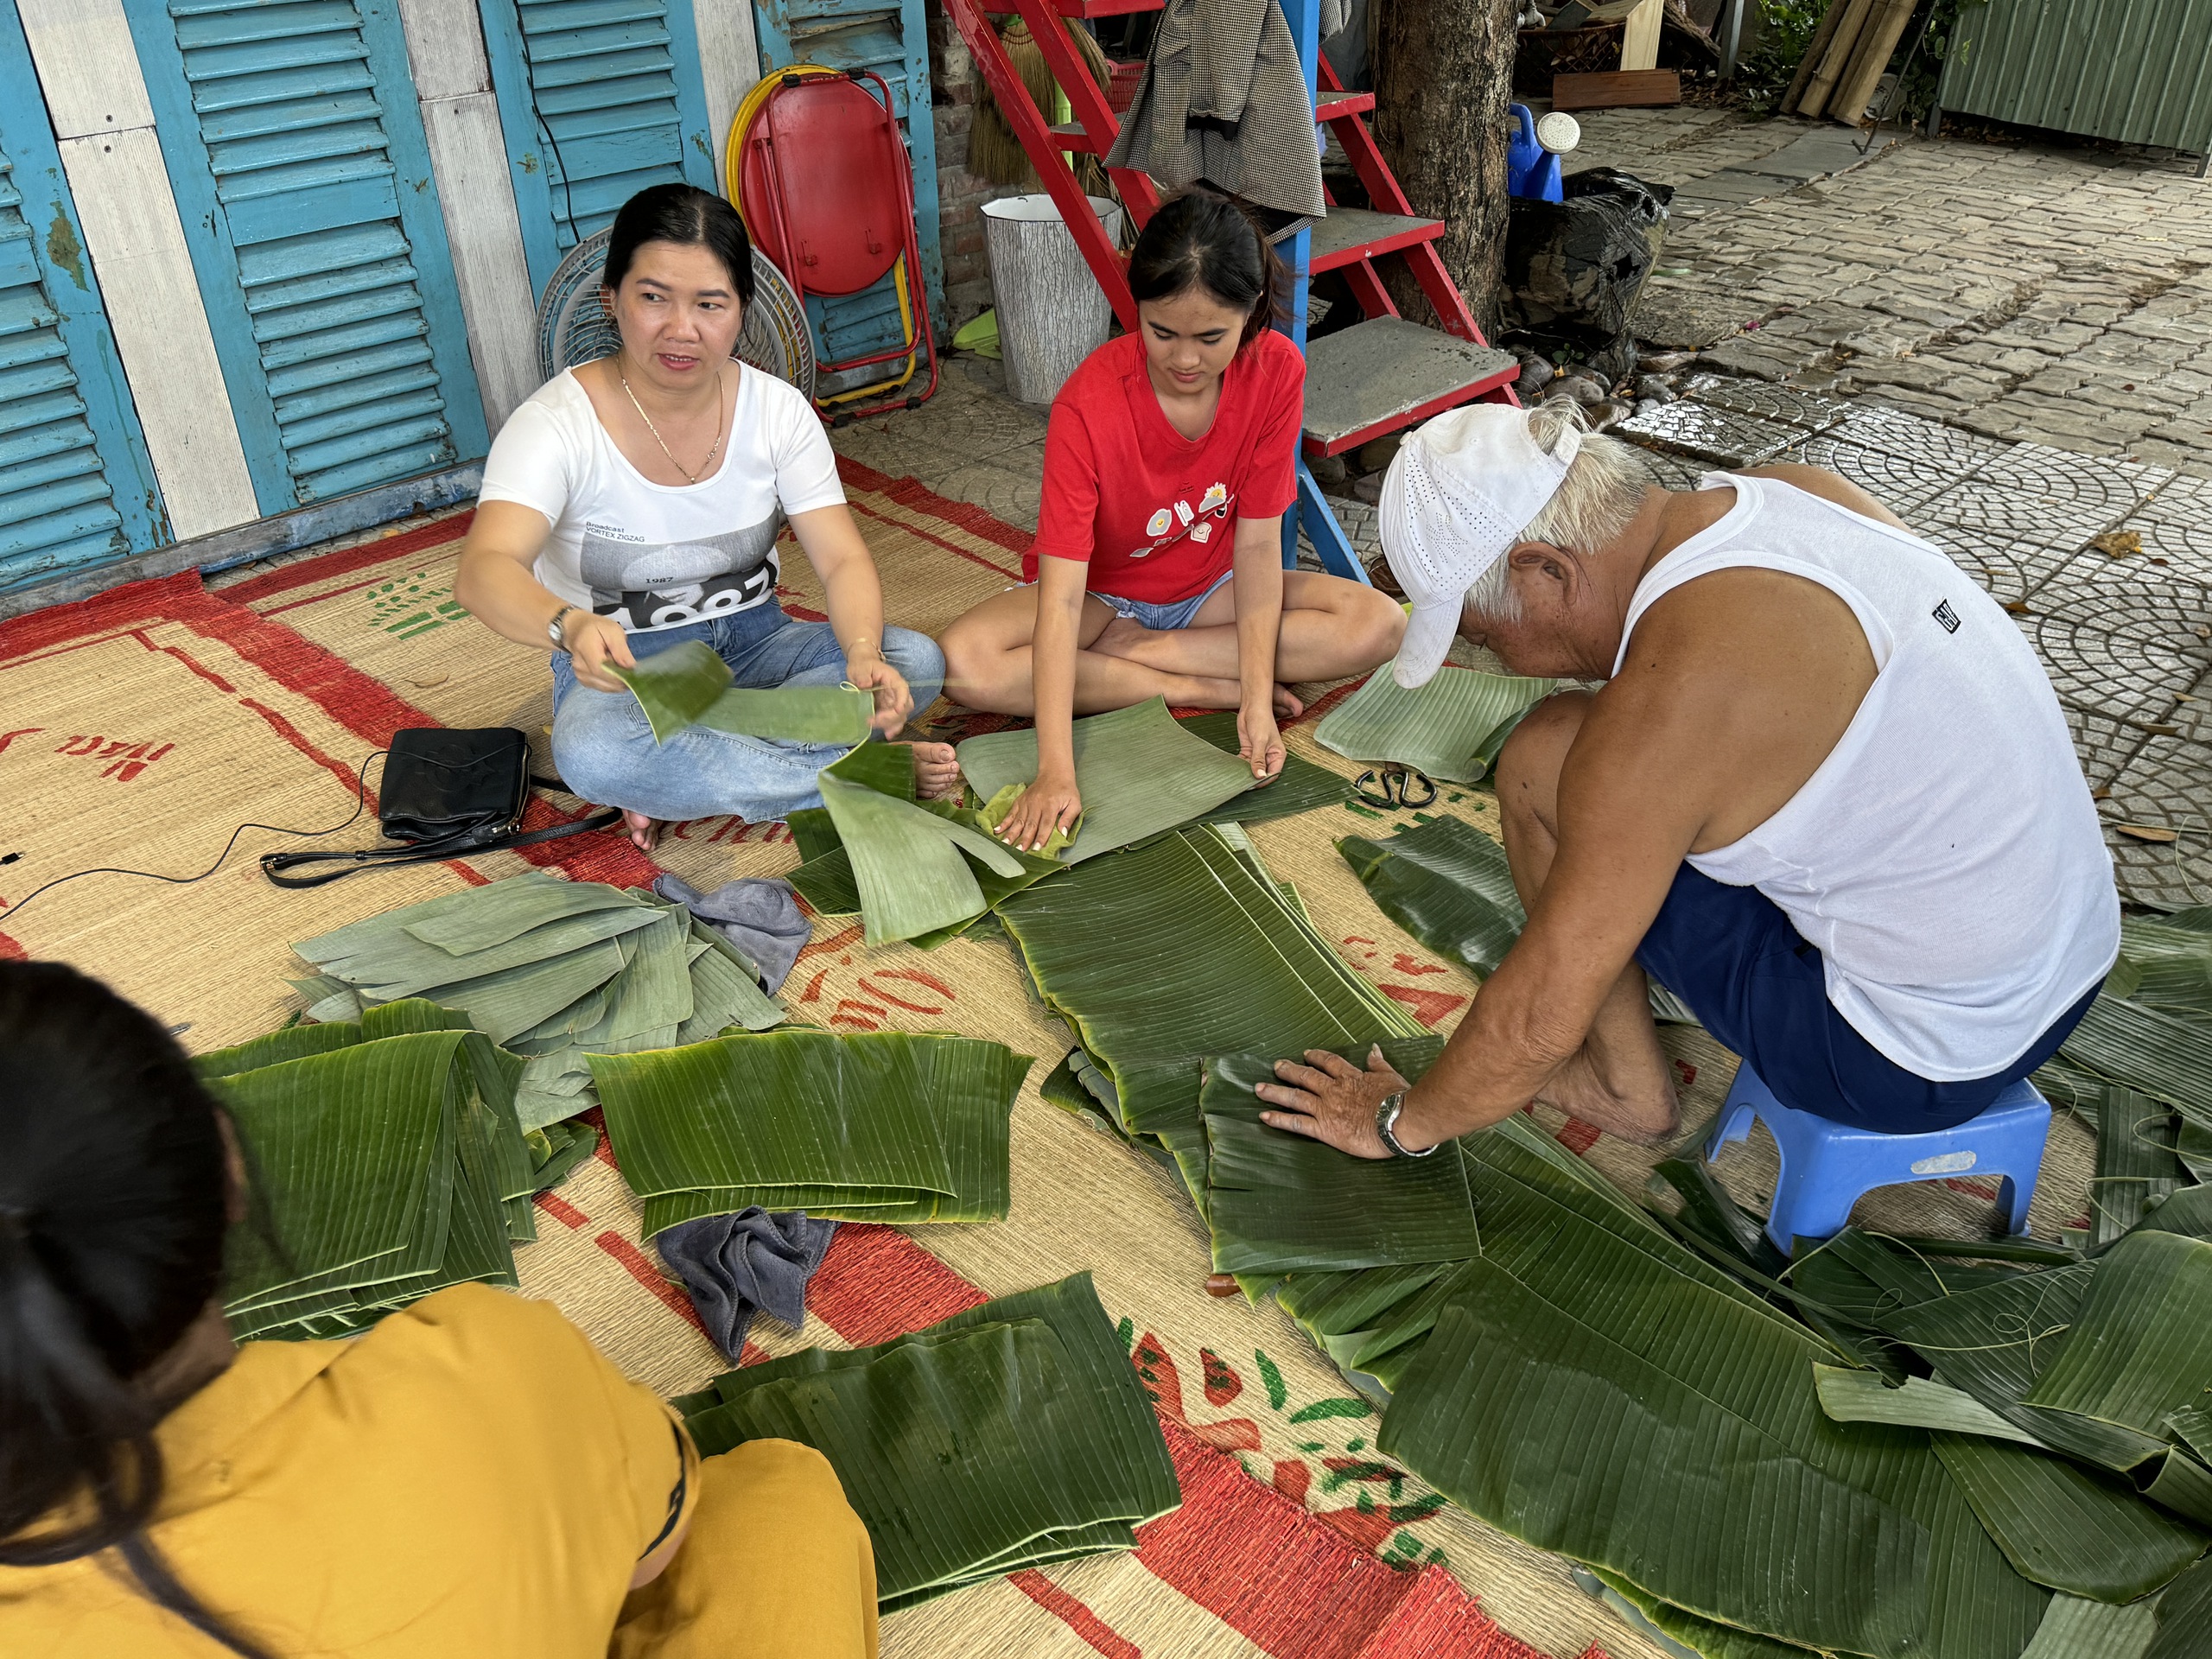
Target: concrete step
{"points": [[1386, 373]]}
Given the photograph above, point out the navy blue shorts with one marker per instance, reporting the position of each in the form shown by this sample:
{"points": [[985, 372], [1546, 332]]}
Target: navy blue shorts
{"points": [[1761, 988]]}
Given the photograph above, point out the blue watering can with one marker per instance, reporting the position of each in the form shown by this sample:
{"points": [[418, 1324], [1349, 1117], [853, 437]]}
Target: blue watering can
{"points": [[1532, 161]]}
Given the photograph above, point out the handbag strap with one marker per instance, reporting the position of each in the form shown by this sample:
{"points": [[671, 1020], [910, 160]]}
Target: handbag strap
{"points": [[275, 865]]}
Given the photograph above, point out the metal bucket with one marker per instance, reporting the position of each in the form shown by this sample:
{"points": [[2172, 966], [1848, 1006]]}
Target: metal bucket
{"points": [[1051, 312]]}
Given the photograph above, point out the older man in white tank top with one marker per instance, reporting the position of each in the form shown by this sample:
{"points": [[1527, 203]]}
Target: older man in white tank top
{"points": [[1825, 796]]}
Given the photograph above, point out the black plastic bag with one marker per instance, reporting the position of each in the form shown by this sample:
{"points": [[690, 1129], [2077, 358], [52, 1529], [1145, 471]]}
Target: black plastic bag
{"points": [[1575, 269]]}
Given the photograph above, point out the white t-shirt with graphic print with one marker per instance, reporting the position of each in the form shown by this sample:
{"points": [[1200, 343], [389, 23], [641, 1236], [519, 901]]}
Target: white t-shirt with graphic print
{"points": [[658, 555]]}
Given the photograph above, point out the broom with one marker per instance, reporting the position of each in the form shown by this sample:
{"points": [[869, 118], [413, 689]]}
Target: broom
{"points": [[993, 152]]}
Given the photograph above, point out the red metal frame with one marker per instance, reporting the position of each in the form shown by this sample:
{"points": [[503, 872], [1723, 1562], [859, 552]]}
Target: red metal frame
{"points": [[763, 134]]}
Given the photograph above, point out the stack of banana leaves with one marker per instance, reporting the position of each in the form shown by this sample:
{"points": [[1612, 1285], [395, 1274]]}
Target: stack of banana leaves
{"points": [[1009, 1436], [1215, 956], [1451, 727], [884, 1126], [384, 1161], [556, 971], [928, 871]]}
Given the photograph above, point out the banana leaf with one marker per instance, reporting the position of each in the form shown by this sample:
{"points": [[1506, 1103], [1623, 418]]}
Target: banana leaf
{"points": [[1448, 885], [827, 884], [1230, 968], [1300, 787], [292, 1043], [1452, 727], [724, 992], [1633, 1403], [1701, 1636], [886, 1126], [350, 1160], [2166, 962], [2184, 1613], [1099, 1447], [1855, 1397], [690, 685], [2087, 1535], [2140, 1345], [493, 914], [906, 860], [2157, 1053], [1139, 771], [1280, 1202], [2074, 1628], [2136, 1164], [1993, 1341]]}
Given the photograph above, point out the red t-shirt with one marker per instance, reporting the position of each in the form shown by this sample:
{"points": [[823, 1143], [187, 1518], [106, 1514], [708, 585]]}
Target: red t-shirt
{"points": [[1153, 513]]}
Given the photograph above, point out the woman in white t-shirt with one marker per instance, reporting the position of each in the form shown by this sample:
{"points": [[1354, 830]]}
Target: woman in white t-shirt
{"points": [[634, 502]]}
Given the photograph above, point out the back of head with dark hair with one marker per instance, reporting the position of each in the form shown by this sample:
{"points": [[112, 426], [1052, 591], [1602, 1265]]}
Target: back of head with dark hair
{"points": [[1202, 240], [113, 1203], [690, 217]]}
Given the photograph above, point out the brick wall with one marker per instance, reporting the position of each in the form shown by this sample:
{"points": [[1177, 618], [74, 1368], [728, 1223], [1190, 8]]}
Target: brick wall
{"points": [[961, 194]]}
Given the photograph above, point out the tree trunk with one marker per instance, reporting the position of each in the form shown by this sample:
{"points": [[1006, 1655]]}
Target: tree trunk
{"points": [[1443, 84]]}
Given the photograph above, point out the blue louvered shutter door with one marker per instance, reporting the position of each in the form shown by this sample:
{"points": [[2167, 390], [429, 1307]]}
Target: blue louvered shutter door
{"points": [[598, 98], [76, 488], [292, 135]]}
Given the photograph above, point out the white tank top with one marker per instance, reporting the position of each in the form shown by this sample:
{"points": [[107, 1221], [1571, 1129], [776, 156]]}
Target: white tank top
{"points": [[1945, 857]]}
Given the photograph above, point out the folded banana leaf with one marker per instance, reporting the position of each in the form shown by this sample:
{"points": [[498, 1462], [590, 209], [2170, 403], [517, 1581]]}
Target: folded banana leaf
{"points": [[1139, 771], [1066, 1469], [2162, 1054], [2184, 1614], [292, 1043], [1452, 727], [907, 862], [556, 1151], [690, 685], [2074, 1628], [1281, 1202], [2136, 1164], [2140, 1346], [884, 1126], [1231, 967], [2085, 1534], [1448, 885], [1841, 1537], [1856, 1396]]}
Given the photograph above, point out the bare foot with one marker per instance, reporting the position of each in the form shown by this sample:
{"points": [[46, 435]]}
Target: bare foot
{"points": [[936, 771], [1122, 637], [1287, 707], [644, 832], [1576, 1089]]}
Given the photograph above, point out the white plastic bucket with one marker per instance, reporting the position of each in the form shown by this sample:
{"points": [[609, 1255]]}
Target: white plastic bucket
{"points": [[1051, 312]]}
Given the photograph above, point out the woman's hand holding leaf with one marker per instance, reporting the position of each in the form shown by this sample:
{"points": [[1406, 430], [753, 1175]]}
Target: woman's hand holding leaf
{"points": [[894, 700], [596, 641], [1259, 740]]}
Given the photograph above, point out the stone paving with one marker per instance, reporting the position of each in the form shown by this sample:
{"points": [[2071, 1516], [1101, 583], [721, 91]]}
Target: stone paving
{"points": [[2009, 345]]}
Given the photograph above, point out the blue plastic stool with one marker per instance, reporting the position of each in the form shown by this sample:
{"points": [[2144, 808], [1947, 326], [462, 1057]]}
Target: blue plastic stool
{"points": [[1826, 1167]]}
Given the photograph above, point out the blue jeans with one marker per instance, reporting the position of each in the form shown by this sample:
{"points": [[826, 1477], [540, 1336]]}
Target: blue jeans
{"points": [[1761, 987], [606, 752]]}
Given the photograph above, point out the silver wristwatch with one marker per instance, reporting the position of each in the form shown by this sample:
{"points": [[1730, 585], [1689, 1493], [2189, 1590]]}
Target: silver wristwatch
{"points": [[556, 632], [1386, 1120]]}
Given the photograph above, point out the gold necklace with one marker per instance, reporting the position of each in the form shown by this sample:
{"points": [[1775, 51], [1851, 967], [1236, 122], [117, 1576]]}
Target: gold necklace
{"points": [[688, 474]]}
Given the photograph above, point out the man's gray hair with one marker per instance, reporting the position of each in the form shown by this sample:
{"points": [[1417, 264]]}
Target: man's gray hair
{"points": [[1602, 493]]}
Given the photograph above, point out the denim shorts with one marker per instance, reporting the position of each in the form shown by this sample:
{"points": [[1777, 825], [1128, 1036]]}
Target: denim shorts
{"points": [[1164, 618], [1761, 988]]}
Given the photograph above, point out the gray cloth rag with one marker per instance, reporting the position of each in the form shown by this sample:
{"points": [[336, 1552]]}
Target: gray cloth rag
{"points": [[758, 915], [734, 1266]]}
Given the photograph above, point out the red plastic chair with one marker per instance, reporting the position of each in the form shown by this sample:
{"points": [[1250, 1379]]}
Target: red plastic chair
{"points": [[829, 166]]}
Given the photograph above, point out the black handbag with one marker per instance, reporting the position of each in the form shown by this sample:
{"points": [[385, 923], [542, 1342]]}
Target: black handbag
{"points": [[445, 794]]}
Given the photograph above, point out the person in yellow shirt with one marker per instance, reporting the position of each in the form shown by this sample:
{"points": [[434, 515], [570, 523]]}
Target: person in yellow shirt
{"points": [[469, 1478]]}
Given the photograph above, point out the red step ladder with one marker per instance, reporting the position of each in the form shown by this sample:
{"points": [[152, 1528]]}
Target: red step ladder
{"points": [[1380, 375]]}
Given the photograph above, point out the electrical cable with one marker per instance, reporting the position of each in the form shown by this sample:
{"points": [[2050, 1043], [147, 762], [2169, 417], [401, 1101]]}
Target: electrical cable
{"points": [[361, 806]]}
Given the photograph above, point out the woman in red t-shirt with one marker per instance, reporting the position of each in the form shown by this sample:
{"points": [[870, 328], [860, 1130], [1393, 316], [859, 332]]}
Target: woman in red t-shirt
{"points": [[1157, 570]]}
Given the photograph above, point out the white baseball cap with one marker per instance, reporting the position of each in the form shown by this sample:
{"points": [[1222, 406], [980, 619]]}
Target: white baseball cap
{"points": [[1458, 493]]}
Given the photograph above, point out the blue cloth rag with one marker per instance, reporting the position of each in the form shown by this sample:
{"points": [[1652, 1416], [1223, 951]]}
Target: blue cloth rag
{"points": [[758, 915], [734, 1266]]}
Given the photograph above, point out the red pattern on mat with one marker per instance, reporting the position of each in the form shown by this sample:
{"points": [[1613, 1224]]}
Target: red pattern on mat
{"points": [[284, 578], [1259, 1562], [368, 709], [10, 951], [1073, 1614], [639, 1267], [911, 492]]}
